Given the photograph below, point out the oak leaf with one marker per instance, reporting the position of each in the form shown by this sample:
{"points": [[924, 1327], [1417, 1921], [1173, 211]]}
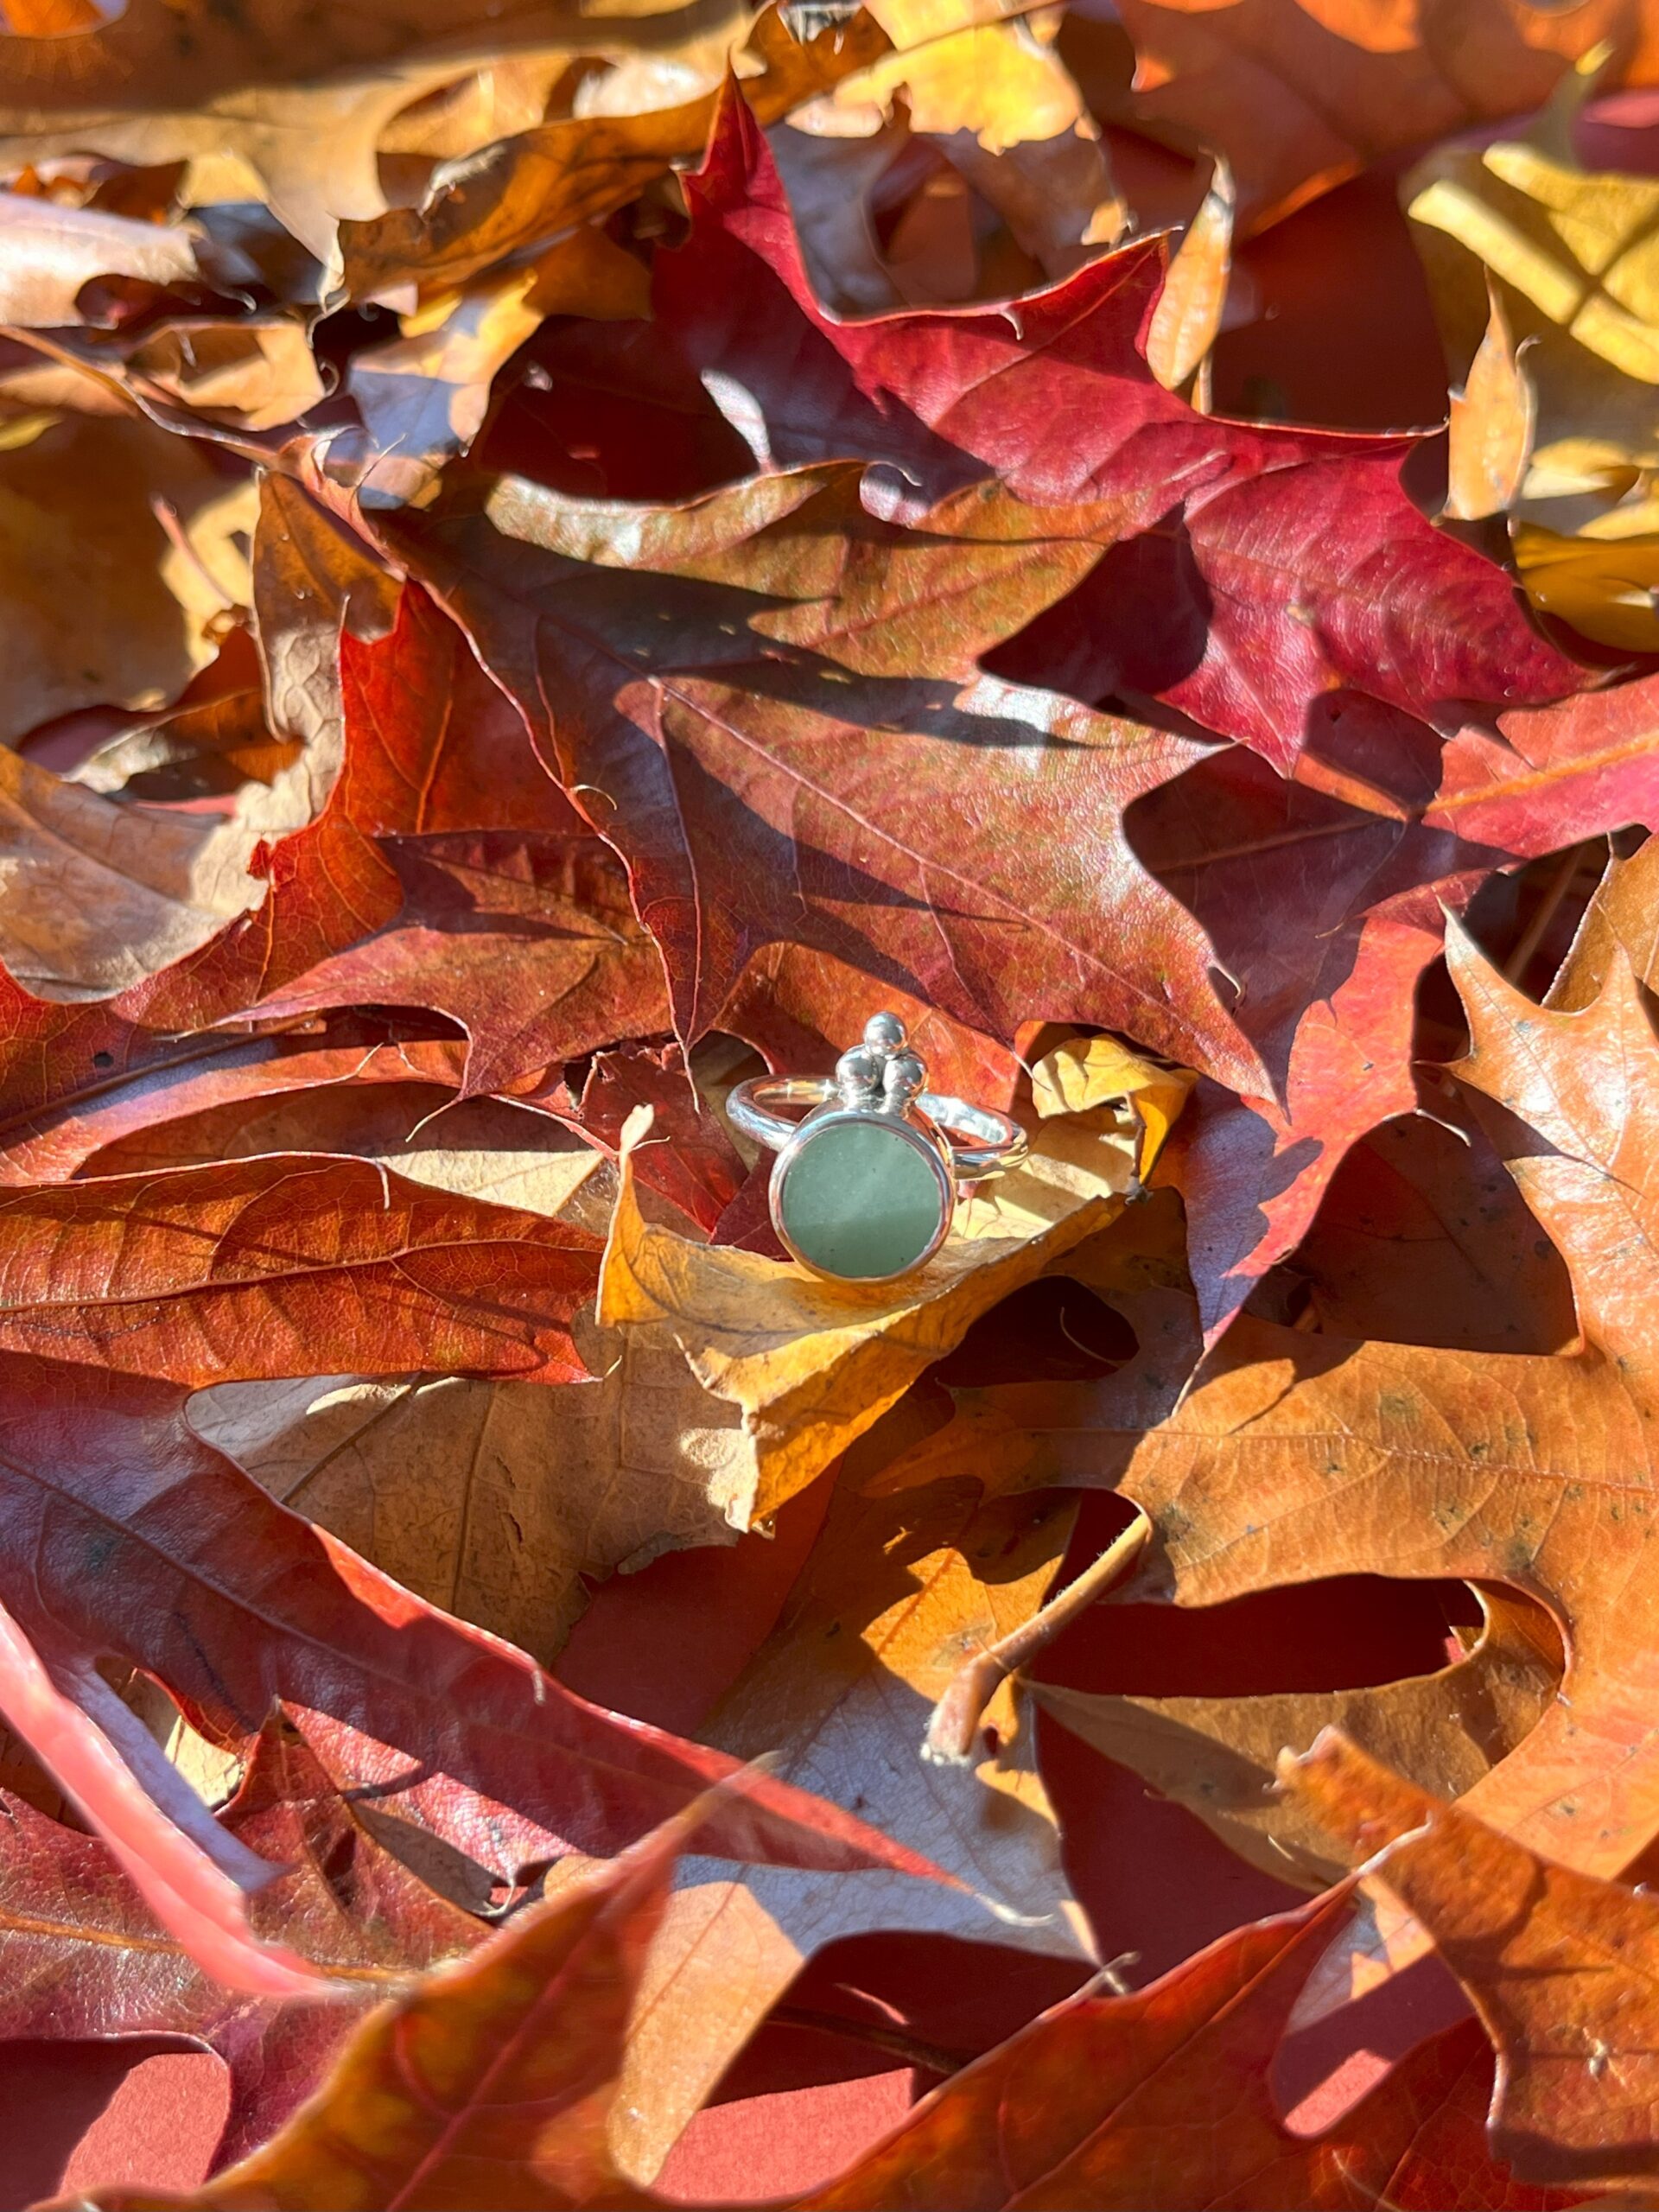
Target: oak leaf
{"points": [[436, 787], [149, 1548], [1163, 2098], [1558, 1966], [1422, 1239], [1327, 968], [449, 2095], [70, 1922], [1247, 569], [498, 1501], [1217, 1755], [1329, 963], [768, 702], [367, 1088], [243, 1268], [893, 1595], [495, 2079], [1301, 1456]]}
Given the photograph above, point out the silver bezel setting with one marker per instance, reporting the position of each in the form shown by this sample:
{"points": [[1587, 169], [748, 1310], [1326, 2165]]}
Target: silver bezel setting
{"points": [[921, 1140]]}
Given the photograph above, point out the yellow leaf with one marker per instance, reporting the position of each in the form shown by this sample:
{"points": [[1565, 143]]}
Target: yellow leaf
{"points": [[1493, 419], [1088, 1072], [1187, 317], [813, 1365], [1572, 258], [1003, 82], [1604, 587], [1009, 114]]}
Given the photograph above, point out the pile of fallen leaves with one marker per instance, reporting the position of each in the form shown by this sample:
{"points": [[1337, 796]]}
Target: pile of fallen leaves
{"points": [[559, 556]]}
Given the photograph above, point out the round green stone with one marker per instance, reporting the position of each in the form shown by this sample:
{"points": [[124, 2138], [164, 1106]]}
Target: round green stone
{"points": [[860, 1200]]}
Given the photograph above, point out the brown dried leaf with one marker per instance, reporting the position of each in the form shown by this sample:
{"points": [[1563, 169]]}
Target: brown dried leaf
{"points": [[895, 1594]]}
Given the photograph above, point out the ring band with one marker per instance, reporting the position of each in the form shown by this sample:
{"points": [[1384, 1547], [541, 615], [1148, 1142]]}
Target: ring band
{"points": [[999, 1141], [865, 1182]]}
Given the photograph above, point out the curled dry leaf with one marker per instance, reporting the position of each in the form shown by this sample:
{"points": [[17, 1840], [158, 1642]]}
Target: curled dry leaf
{"points": [[1493, 426], [1568, 256], [1602, 582], [997, 99], [314, 581], [527, 189], [1087, 1073], [443, 773], [1186, 321], [49, 252], [1568, 260], [251, 375], [254, 113]]}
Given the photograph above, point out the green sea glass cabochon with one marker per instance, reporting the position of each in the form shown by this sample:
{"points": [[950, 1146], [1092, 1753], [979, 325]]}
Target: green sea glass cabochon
{"points": [[860, 1200]]}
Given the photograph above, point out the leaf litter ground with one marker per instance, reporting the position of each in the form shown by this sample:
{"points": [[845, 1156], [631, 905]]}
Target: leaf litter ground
{"points": [[551, 568]]}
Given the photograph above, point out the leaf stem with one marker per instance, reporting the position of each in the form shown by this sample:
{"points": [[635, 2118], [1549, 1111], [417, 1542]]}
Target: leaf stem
{"points": [[1560, 882], [926, 2058], [955, 1726]]}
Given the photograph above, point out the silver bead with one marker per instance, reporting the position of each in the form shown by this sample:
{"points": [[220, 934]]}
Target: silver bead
{"points": [[902, 1079], [885, 1033], [858, 1076]]}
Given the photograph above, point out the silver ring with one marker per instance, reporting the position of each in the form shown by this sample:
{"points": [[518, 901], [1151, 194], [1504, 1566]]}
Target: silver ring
{"points": [[865, 1177]]}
